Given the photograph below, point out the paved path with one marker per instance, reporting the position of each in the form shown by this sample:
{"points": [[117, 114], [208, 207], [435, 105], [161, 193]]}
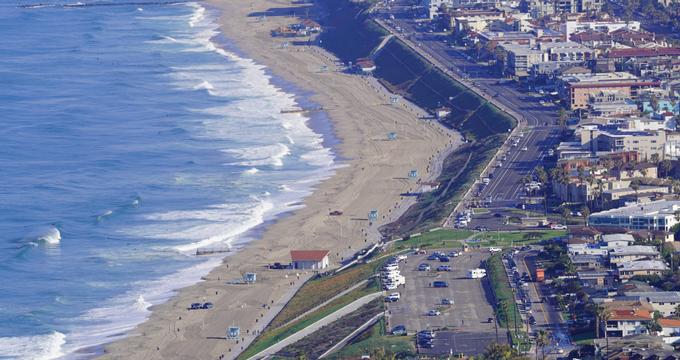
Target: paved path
{"points": [[316, 326]]}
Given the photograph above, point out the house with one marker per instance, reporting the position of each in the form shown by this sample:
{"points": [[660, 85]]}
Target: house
{"points": [[624, 254], [617, 240], [310, 259], [630, 269], [670, 327], [627, 317], [587, 262], [665, 302], [586, 249], [365, 66], [596, 279]]}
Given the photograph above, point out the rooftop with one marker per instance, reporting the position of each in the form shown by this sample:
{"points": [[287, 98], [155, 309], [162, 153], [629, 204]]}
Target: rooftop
{"points": [[656, 296], [640, 52], [643, 265], [600, 78], [634, 250], [669, 322], [661, 208], [308, 255], [618, 237]]}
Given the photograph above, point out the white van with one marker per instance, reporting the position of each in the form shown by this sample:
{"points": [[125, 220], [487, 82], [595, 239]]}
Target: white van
{"points": [[476, 273]]}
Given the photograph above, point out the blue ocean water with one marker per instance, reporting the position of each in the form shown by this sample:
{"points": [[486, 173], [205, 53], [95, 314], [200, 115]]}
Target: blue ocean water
{"points": [[128, 139]]}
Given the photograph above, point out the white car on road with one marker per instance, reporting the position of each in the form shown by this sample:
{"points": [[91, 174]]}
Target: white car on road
{"points": [[495, 249], [433, 313]]}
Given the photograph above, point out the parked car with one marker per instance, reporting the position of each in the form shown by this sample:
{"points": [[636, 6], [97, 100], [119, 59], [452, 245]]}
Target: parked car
{"points": [[433, 313], [444, 268], [454, 254], [207, 305], [399, 330], [195, 306], [558, 227], [424, 267], [447, 301], [440, 284], [444, 259], [494, 249]]}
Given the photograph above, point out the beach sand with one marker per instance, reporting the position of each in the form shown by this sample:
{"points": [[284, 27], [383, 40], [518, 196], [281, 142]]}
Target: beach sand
{"points": [[373, 177]]}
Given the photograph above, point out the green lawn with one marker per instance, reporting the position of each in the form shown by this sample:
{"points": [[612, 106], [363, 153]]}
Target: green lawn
{"points": [[507, 312], [454, 238], [271, 337]]}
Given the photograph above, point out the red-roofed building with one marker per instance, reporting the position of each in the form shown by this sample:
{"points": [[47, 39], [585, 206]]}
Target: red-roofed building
{"points": [[310, 259], [638, 52], [670, 327], [628, 318]]}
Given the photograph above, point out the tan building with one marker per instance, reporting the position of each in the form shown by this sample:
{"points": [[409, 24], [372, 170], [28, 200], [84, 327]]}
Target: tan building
{"points": [[577, 90], [598, 138]]}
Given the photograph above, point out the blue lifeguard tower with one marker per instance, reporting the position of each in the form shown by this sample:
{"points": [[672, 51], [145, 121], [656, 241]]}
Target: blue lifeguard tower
{"points": [[373, 215], [250, 277], [413, 174], [392, 136], [233, 332]]}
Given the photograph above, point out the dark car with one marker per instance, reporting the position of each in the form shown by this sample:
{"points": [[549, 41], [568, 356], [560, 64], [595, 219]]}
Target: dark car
{"points": [[399, 330], [444, 259], [434, 256], [440, 284], [278, 266], [195, 306], [207, 305]]}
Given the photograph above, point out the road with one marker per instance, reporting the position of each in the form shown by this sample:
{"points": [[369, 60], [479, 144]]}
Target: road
{"points": [[547, 316], [538, 121]]}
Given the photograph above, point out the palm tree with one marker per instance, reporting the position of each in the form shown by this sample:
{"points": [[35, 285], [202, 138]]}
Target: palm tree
{"points": [[635, 185], [542, 339], [598, 310], [677, 310], [666, 166], [585, 212], [654, 158]]}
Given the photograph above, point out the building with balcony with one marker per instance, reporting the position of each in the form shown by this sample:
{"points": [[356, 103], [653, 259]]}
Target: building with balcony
{"points": [[655, 215]]}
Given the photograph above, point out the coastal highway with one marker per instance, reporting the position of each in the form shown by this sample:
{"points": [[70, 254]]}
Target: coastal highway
{"points": [[539, 119]]}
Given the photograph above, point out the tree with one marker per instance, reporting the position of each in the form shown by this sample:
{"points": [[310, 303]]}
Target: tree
{"points": [[654, 158], [677, 310], [635, 185], [496, 351], [562, 119], [666, 166], [542, 339], [585, 212], [566, 213]]}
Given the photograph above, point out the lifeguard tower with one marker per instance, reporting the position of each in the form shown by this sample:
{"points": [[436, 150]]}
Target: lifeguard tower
{"points": [[233, 332]]}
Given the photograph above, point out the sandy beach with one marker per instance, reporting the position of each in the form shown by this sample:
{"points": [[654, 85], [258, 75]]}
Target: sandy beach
{"points": [[372, 175]]}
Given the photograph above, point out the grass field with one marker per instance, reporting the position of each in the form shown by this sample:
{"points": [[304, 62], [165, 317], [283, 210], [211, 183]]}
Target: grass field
{"points": [[456, 238], [271, 337]]}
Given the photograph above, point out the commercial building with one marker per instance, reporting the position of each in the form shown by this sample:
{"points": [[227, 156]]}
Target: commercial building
{"points": [[656, 215], [577, 90], [573, 26], [310, 259], [609, 138], [568, 51]]}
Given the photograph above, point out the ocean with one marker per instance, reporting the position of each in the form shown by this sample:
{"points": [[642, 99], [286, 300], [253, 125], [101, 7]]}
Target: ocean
{"points": [[131, 135]]}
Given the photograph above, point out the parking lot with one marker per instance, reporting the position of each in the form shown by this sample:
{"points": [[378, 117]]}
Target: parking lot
{"points": [[471, 310]]}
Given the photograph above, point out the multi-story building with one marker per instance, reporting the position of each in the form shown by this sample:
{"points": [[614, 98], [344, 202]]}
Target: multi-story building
{"points": [[477, 20], [434, 6], [521, 58], [573, 26], [610, 138], [577, 90], [568, 51], [655, 215], [624, 254], [665, 302], [627, 318]]}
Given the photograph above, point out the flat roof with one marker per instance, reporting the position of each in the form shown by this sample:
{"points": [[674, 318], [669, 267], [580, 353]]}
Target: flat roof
{"points": [[643, 265], [618, 237], [656, 296], [661, 208], [634, 250]]}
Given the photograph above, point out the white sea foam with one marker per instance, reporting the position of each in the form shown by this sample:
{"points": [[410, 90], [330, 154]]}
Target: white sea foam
{"points": [[37, 347], [45, 235], [123, 313], [261, 155], [251, 171]]}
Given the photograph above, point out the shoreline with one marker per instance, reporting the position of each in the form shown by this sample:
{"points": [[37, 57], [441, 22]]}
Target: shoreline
{"points": [[351, 187]]}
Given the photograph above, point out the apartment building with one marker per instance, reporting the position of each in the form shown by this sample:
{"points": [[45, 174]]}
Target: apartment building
{"points": [[624, 254], [521, 58], [568, 51], [573, 26], [664, 302], [630, 269], [610, 138]]}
